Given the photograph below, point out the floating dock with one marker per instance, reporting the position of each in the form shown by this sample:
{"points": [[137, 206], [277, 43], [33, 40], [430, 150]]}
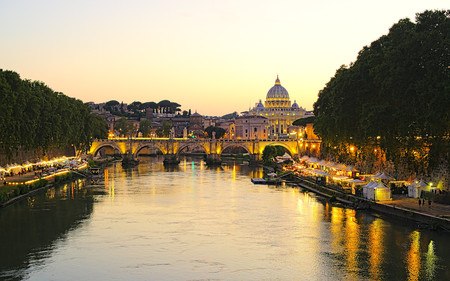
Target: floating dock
{"points": [[259, 181]]}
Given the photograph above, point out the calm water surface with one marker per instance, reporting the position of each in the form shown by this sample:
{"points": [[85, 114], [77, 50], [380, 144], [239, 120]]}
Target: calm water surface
{"points": [[192, 222]]}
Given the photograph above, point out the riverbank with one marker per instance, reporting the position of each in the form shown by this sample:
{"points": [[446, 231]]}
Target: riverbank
{"points": [[13, 193], [436, 216]]}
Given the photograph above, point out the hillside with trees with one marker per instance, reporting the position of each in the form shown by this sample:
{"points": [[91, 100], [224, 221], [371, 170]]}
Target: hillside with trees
{"points": [[390, 108], [137, 109], [33, 116]]}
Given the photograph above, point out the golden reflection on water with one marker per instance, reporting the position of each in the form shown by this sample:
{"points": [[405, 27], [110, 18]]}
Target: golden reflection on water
{"points": [[337, 217], [413, 257], [234, 173], [327, 211], [352, 240], [431, 260], [376, 250]]}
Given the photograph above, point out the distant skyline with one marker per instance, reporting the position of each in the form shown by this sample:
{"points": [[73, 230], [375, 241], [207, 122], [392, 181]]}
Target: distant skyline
{"points": [[213, 57]]}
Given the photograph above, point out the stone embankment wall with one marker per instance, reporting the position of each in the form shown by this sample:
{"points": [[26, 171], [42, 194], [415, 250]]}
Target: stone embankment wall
{"points": [[21, 156], [389, 210]]}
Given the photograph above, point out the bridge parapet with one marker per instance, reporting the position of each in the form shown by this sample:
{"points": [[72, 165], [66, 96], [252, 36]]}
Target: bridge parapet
{"points": [[210, 146]]}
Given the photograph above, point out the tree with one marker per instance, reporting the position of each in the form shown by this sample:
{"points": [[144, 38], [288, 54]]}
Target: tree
{"points": [[303, 121], [394, 97], [219, 132], [164, 131], [145, 127], [124, 127], [109, 105], [98, 127], [34, 117], [231, 115], [271, 152]]}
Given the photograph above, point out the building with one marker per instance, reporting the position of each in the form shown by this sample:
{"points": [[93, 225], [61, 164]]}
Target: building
{"points": [[251, 127], [196, 124], [278, 110], [229, 127]]}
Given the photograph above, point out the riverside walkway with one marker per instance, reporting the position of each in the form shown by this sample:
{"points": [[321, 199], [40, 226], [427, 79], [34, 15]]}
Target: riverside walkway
{"points": [[19, 178], [400, 206], [435, 209]]}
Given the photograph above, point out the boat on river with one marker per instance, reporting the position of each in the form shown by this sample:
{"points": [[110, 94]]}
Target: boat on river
{"points": [[259, 181]]}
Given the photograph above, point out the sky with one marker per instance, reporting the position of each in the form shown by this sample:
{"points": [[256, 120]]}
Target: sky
{"points": [[214, 57]]}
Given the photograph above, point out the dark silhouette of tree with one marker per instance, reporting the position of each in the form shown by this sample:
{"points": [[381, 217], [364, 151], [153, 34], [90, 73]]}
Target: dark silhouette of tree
{"points": [[395, 96], [219, 131]]}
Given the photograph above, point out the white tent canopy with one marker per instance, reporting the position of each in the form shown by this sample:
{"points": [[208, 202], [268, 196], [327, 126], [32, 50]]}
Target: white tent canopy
{"points": [[376, 191], [313, 160], [416, 188]]}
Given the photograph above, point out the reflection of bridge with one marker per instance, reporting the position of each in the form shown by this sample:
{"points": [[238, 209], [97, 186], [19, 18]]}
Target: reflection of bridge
{"points": [[171, 148]]}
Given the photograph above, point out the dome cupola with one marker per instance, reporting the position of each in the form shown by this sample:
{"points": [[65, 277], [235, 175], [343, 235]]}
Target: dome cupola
{"points": [[277, 96]]}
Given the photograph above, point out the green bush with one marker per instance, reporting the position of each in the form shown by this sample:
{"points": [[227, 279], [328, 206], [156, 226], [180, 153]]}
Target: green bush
{"points": [[93, 164], [24, 189]]}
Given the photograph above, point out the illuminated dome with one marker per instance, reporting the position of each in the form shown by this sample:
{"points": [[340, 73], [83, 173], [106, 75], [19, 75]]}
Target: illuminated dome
{"points": [[277, 92]]}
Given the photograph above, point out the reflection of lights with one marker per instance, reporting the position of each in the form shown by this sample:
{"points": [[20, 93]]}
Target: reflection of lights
{"points": [[351, 241], [111, 190], [234, 173], [413, 257], [430, 261], [336, 228], [375, 249]]}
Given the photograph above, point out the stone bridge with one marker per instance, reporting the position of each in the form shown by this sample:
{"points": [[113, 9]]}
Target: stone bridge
{"points": [[213, 148]]}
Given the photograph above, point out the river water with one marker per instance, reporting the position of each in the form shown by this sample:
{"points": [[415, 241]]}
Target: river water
{"points": [[194, 223]]}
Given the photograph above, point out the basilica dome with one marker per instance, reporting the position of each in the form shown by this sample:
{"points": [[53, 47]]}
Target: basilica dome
{"points": [[277, 92]]}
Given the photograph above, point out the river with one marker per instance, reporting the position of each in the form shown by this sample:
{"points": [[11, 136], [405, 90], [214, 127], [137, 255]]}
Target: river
{"points": [[193, 222]]}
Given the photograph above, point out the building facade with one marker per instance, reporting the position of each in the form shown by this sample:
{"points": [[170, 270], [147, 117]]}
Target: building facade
{"points": [[251, 127], [196, 125], [278, 110]]}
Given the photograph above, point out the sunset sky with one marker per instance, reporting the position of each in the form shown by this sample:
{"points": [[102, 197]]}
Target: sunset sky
{"points": [[215, 57]]}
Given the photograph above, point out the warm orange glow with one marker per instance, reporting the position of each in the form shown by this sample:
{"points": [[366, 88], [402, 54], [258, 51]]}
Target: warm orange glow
{"points": [[375, 249], [413, 257]]}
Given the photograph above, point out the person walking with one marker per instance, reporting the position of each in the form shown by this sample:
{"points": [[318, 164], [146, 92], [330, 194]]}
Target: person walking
{"points": [[429, 203], [420, 202]]}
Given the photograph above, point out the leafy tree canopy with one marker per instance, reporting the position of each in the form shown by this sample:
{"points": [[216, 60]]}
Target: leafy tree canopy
{"points": [[395, 95], [219, 131], [304, 121], [145, 127], [271, 152], [34, 116]]}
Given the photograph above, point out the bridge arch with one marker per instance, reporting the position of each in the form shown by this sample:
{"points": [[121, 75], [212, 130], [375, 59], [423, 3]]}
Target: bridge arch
{"points": [[149, 145], [225, 146], [103, 145], [192, 146], [290, 150]]}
